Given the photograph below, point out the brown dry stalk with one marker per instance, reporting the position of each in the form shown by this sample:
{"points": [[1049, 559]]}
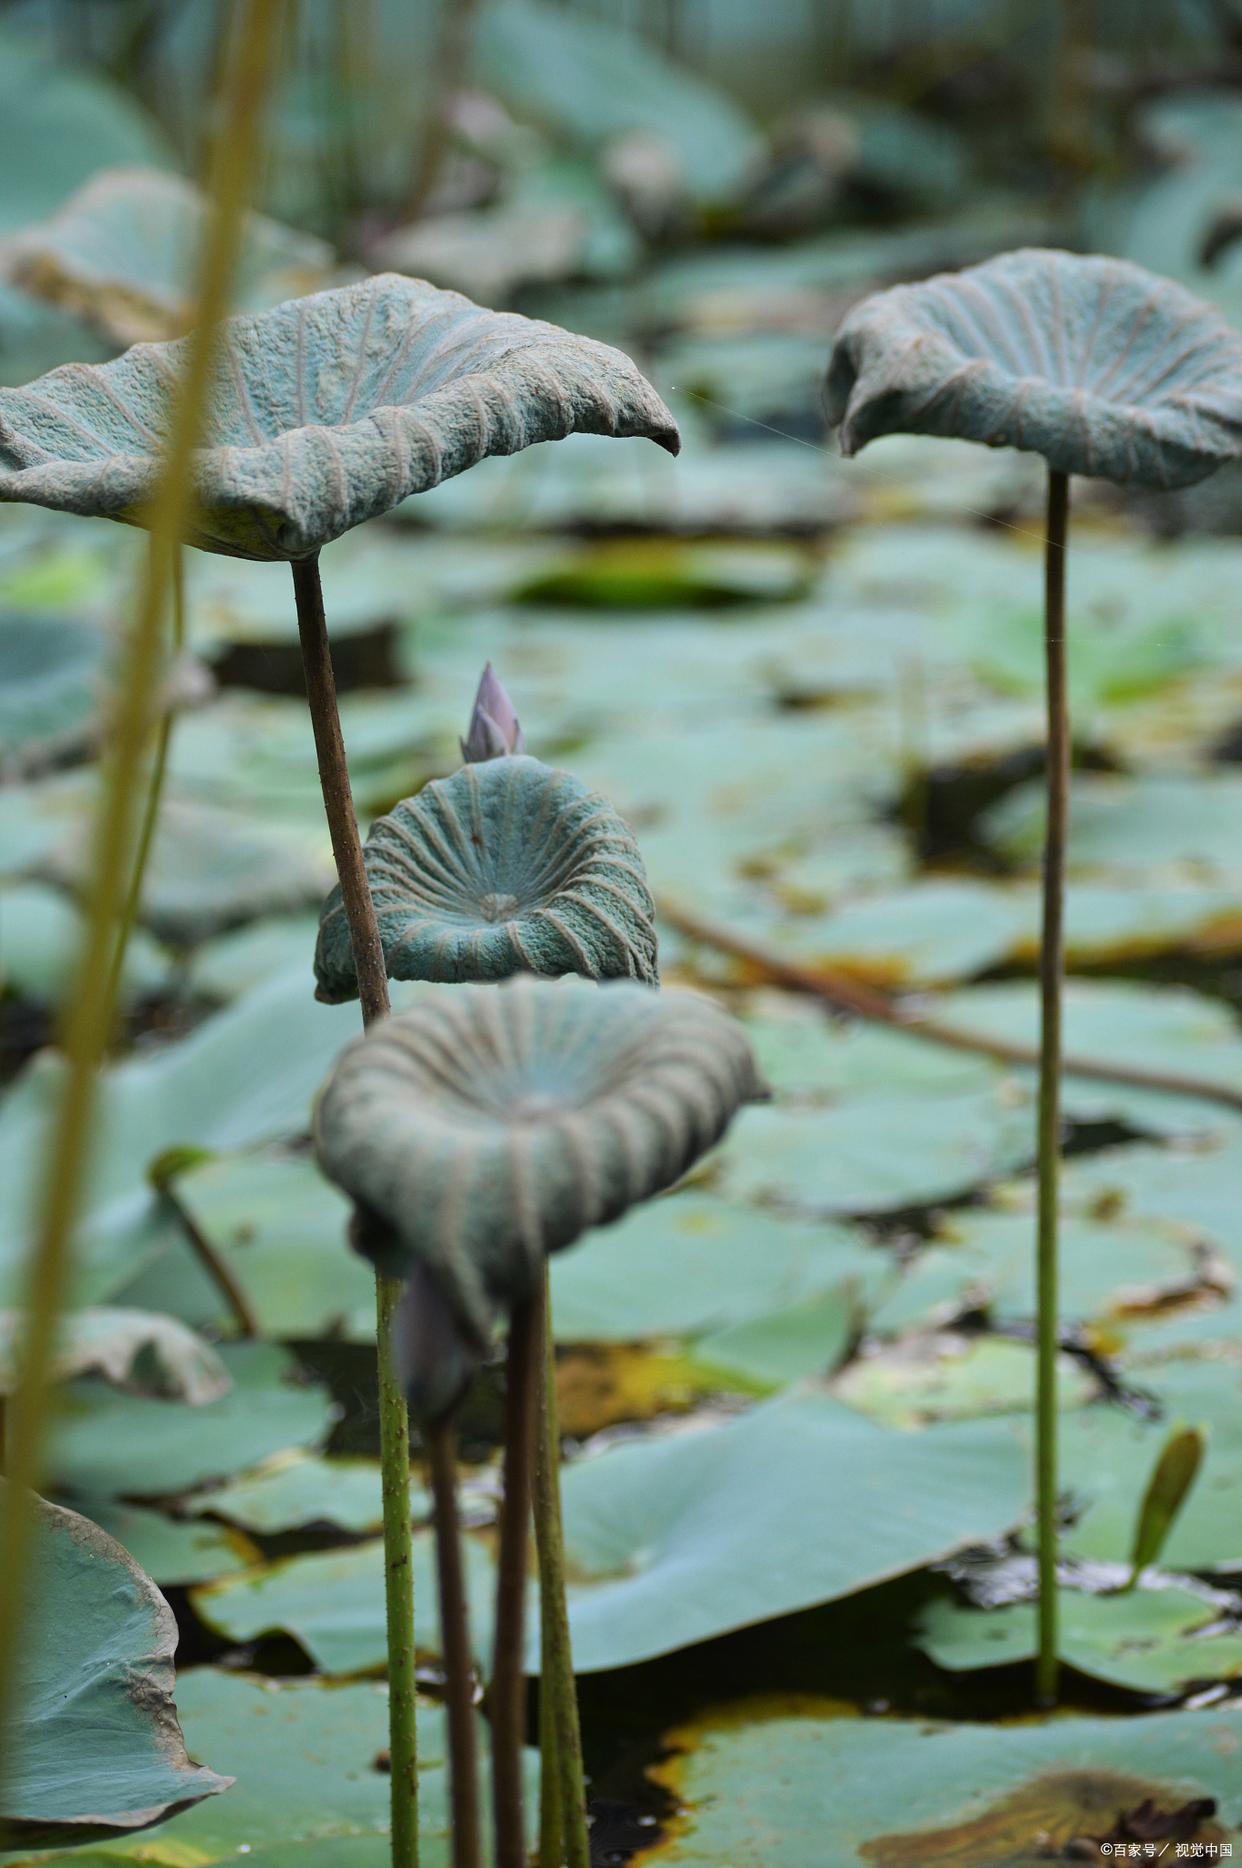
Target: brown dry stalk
{"points": [[851, 995]]}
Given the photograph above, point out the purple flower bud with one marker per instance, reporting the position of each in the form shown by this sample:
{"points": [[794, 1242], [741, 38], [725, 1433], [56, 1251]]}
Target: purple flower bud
{"points": [[494, 729]]}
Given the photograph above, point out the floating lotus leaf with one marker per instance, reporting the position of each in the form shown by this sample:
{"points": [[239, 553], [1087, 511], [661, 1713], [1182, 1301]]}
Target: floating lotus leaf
{"points": [[324, 412], [120, 252], [135, 1349], [509, 866], [493, 1124], [1096, 364], [53, 679], [95, 1749]]}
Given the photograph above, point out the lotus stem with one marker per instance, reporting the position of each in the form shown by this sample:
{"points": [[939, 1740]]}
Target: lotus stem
{"points": [[394, 1417], [455, 1636], [338, 798], [215, 1266], [563, 1834], [398, 1582], [551, 1820], [1051, 975], [508, 1690], [155, 788], [90, 1008]]}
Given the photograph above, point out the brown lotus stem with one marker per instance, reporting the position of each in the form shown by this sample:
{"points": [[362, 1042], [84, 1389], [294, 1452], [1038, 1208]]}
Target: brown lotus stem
{"points": [[563, 1836], [216, 1267], [851, 995], [338, 798], [1051, 976], [394, 1416], [508, 1690], [455, 1636]]}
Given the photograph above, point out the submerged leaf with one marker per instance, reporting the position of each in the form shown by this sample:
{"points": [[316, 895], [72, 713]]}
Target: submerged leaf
{"points": [[508, 866], [324, 412], [1098, 365]]}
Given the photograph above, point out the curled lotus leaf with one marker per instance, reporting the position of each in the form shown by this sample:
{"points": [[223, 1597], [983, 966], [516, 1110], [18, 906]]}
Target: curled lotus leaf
{"points": [[491, 1125], [95, 1750], [138, 1350], [509, 866], [323, 412], [1098, 365]]}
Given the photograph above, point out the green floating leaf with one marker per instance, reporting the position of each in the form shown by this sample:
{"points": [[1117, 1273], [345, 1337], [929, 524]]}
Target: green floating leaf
{"points": [[1160, 1639], [1175, 1472], [281, 1231], [311, 1786], [120, 251], [591, 81], [96, 1749], [59, 122], [174, 1552], [324, 412], [53, 679], [951, 1377], [203, 1092], [1173, 824], [1098, 365], [135, 1350], [1125, 1022], [911, 1793], [133, 1447], [332, 1603], [673, 1540], [42, 938], [211, 869], [293, 1490], [693, 1264], [1108, 1455], [983, 1259], [652, 574], [840, 1159]]}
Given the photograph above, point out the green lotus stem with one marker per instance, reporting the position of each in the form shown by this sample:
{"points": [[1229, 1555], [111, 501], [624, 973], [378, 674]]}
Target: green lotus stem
{"points": [[455, 1637], [398, 1582], [560, 1736], [508, 1690], [91, 1007], [1051, 975], [551, 1821], [394, 1416], [155, 788]]}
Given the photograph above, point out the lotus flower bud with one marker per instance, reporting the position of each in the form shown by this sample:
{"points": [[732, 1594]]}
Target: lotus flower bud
{"points": [[494, 730]]}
